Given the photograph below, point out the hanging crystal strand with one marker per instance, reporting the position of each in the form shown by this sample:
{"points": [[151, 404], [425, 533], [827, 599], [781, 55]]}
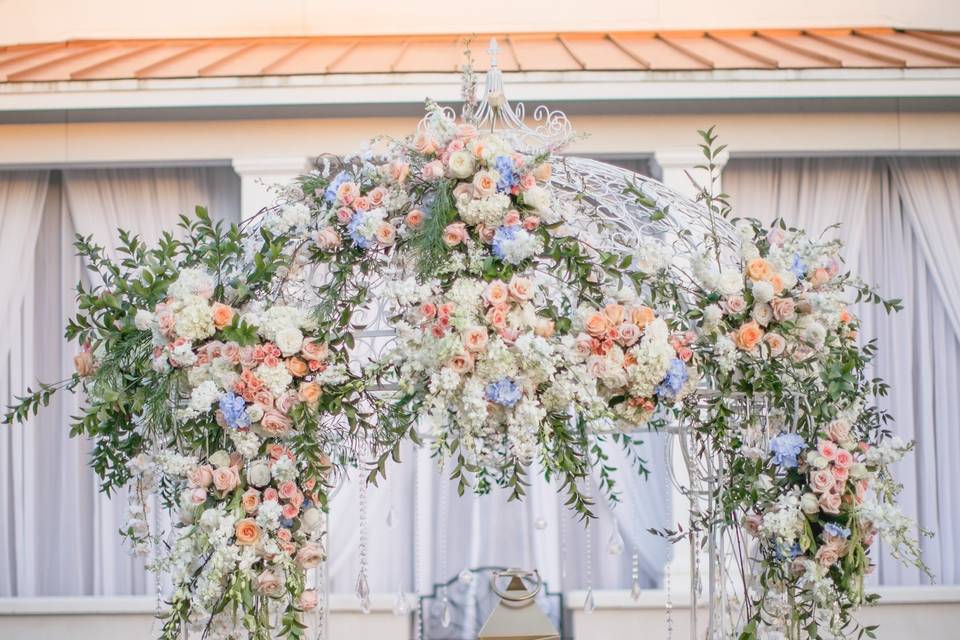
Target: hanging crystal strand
{"points": [[615, 542], [417, 553], [446, 616], [635, 575], [588, 603], [321, 577], [363, 586], [666, 574]]}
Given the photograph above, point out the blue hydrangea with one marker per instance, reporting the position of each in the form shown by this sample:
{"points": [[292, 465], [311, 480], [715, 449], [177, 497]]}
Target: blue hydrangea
{"points": [[508, 177], [330, 195], [798, 267], [504, 392], [503, 235], [791, 553], [834, 529], [234, 411], [353, 228], [785, 449], [676, 377]]}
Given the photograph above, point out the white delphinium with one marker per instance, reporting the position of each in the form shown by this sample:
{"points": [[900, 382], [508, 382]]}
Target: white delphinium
{"points": [[651, 256], [172, 463], [706, 273], [144, 320], [522, 430], [406, 292], [727, 353], [712, 315]]}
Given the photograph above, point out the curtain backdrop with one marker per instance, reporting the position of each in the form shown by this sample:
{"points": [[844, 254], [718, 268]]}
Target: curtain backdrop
{"points": [[901, 221], [58, 535]]}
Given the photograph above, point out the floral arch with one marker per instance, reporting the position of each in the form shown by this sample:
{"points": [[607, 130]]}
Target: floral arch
{"points": [[470, 286]]}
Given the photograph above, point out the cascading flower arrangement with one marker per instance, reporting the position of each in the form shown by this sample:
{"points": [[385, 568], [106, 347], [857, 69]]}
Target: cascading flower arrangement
{"points": [[808, 475]]}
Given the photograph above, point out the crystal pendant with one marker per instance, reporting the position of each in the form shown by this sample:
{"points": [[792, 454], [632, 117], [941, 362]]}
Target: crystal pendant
{"points": [[615, 543], [588, 604], [401, 606], [635, 591], [540, 523], [465, 577], [363, 593], [446, 615], [390, 517]]}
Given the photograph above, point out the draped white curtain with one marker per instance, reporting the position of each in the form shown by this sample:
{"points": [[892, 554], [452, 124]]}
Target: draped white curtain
{"points": [[58, 535], [901, 221]]}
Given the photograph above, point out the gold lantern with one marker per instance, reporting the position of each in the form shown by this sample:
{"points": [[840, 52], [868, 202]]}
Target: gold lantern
{"points": [[517, 616]]}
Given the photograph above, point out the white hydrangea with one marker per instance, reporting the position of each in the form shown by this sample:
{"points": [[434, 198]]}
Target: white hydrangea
{"points": [[143, 320], [277, 379], [523, 245], [333, 375], [538, 198], [268, 515], [192, 282], [289, 340], [246, 442], [730, 283], [762, 291], [488, 211], [284, 470], [202, 398], [293, 216], [194, 319], [279, 318], [653, 357]]}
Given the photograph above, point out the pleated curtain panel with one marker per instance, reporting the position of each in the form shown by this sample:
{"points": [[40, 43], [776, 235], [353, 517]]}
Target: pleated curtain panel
{"points": [[901, 221]]}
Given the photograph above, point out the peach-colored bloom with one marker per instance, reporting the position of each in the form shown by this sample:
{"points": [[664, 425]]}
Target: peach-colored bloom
{"points": [[527, 181], [414, 218], [615, 313], [275, 423], [827, 555], [838, 431], [759, 269], [776, 343], [484, 184], [348, 192], [733, 305], [327, 239], [362, 203], [250, 501], [309, 556], [309, 392], [461, 363], [313, 349], [642, 316], [297, 367], [597, 324], [521, 288], [830, 503], [544, 327], [385, 233], [399, 170], [530, 223], [748, 336], [454, 234], [496, 293], [308, 600], [783, 308], [432, 170], [543, 172], [820, 277], [475, 339], [247, 531], [222, 315], [225, 479], [497, 318], [84, 364], [268, 583], [511, 218], [201, 476], [344, 214]]}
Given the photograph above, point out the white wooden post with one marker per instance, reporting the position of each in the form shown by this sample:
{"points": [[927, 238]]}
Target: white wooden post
{"points": [[258, 174]]}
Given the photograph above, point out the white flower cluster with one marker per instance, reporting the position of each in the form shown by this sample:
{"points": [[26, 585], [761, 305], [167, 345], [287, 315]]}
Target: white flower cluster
{"points": [[488, 211]]}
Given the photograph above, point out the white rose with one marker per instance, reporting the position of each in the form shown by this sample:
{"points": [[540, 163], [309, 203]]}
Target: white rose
{"points": [[310, 520], [730, 283], [289, 341], [810, 504], [817, 461], [461, 164], [815, 333], [859, 471], [762, 291], [259, 474], [220, 459], [744, 230], [254, 412], [143, 320], [762, 314], [537, 198], [749, 251], [210, 519]]}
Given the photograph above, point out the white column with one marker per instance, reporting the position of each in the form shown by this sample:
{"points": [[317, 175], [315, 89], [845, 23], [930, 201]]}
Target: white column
{"points": [[259, 174], [677, 165]]}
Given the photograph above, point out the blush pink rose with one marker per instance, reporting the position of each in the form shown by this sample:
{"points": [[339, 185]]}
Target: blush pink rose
{"points": [[250, 501], [275, 423], [461, 363], [521, 288], [288, 489], [225, 479], [268, 583], [308, 600], [531, 223], [201, 476], [309, 556], [838, 431], [290, 511], [475, 339], [827, 449], [821, 480], [830, 503], [734, 304], [844, 459]]}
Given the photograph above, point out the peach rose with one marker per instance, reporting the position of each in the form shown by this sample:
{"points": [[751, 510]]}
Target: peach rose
{"points": [[497, 317], [461, 363], [454, 234], [752, 523], [521, 288], [827, 555], [414, 218], [486, 233], [432, 170], [225, 479], [776, 343], [385, 233], [399, 170], [313, 350], [268, 583], [530, 223], [275, 423], [309, 556], [597, 324], [83, 363], [463, 190], [615, 313], [846, 317], [527, 181], [222, 315], [496, 293], [629, 334], [201, 476], [309, 392], [308, 600], [475, 339], [759, 269], [484, 184], [250, 501], [821, 480], [543, 171], [748, 336], [511, 218], [327, 239], [348, 192], [830, 503], [297, 367], [544, 327], [286, 402], [827, 449], [247, 531], [838, 431], [820, 277], [642, 316], [362, 203], [425, 144], [287, 489], [783, 309]]}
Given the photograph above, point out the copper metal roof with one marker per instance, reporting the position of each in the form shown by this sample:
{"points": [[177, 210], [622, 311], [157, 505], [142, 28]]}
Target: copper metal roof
{"points": [[611, 51]]}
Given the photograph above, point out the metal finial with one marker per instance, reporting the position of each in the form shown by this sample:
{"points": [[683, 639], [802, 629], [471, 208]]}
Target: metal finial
{"points": [[493, 50]]}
